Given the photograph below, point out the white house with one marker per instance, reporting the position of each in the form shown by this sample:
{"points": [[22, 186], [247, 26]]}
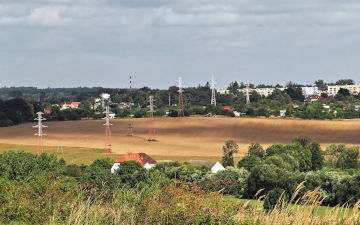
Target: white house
{"points": [[213, 166], [283, 113]]}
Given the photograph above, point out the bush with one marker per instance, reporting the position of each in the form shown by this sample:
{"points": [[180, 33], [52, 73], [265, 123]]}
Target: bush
{"points": [[131, 173], [231, 181], [275, 198], [24, 166]]}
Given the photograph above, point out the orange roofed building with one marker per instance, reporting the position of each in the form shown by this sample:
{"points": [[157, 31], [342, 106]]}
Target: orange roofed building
{"points": [[142, 158]]}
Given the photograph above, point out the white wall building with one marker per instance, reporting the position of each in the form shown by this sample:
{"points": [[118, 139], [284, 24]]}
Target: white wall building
{"points": [[223, 92], [262, 91], [334, 89], [309, 91]]}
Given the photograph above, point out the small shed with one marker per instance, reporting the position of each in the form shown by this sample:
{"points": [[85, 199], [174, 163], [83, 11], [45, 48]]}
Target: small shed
{"points": [[213, 166]]}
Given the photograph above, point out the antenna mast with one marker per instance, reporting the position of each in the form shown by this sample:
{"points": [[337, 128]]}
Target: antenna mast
{"points": [[181, 102], [152, 120], [107, 124], [213, 92], [130, 127], [247, 94], [40, 133]]}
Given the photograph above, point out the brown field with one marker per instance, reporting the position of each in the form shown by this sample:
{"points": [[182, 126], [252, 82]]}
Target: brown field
{"points": [[186, 137]]}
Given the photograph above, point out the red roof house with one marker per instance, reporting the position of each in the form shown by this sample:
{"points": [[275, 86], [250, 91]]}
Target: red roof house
{"points": [[227, 107], [47, 111], [142, 158]]}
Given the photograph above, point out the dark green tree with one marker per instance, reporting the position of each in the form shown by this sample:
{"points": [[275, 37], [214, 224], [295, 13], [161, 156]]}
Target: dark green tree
{"points": [[229, 149]]}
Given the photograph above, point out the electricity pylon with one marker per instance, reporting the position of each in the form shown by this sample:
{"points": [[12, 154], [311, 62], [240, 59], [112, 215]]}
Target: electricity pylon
{"points": [[151, 120], [40, 133], [181, 101], [213, 92]]}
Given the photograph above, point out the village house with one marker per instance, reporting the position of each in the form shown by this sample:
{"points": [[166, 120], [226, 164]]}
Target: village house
{"points": [[142, 158], [70, 105], [213, 166]]}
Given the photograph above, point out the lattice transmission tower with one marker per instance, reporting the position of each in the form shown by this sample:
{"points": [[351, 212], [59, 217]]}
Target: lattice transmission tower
{"points": [[107, 124], [40, 133], [152, 128], [130, 125], [213, 92], [247, 92], [181, 101]]}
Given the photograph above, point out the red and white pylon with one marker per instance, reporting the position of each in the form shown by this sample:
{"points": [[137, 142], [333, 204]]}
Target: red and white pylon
{"points": [[40, 133], [181, 101], [152, 129]]}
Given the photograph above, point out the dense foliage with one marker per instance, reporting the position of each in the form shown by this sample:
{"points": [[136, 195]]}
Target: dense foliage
{"points": [[38, 189]]}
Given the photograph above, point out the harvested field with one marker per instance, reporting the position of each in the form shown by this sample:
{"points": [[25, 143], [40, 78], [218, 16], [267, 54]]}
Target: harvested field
{"points": [[186, 137]]}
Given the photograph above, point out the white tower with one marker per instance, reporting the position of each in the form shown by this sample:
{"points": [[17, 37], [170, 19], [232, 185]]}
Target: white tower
{"points": [[213, 92], [40, 133]]}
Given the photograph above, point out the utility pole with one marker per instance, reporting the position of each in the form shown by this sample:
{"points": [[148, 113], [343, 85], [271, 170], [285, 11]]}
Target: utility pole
{"points": [[247, 90], [152, 120], [107, 124], [213, 92], [40, 133], [130, 126], [181, 102]]}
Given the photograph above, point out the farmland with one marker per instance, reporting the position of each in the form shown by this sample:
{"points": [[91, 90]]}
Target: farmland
{"points": [[182, 138]]}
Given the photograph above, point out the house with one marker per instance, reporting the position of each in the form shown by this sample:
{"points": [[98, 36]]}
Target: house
{"points": [[70, 105], [283, 113], [47, 111], [142, 158], [228, 108], [213, 166]]}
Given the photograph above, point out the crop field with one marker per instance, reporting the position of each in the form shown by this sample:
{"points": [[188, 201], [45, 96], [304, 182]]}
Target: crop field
{"points": [[180, 138]]}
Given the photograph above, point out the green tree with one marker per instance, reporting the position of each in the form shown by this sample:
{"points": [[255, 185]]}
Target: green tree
{"points": [[345, 82], [249, 162], [255, 149], [317, 156], [348, 158], [320, 83], [229, 149]]}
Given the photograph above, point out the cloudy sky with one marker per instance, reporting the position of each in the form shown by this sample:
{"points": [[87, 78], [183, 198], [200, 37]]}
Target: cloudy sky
{"points": [[69, 43]]}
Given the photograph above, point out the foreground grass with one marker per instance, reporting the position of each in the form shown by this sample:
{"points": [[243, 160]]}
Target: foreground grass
{"points": [[319, 211], [80, 155]]}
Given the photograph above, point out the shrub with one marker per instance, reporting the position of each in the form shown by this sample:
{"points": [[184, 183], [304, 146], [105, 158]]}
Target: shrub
{"points": [[275, 198], [229, 181], [24, 166]]}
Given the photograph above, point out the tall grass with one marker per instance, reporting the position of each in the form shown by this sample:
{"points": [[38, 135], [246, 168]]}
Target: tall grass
{"points": [[300, 210]]}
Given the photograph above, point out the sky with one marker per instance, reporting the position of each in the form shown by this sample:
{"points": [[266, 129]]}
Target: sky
{"points": [[71, 43]]}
